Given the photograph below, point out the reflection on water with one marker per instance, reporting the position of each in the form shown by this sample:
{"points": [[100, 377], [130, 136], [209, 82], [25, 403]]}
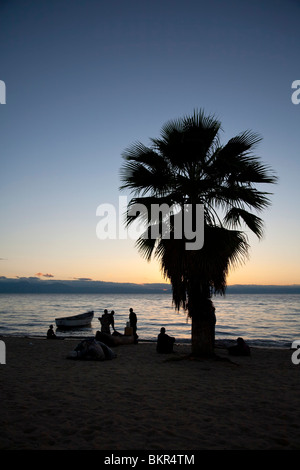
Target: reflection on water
{"points": [[260, 318]]}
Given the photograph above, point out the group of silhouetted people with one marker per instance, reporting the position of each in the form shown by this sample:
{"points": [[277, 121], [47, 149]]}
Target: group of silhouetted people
{"points": [[165, 342], [107, 320]]}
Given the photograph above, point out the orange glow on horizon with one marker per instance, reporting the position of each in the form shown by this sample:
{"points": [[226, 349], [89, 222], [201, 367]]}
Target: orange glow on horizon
{"points": [[127, 266], [141, 272]]}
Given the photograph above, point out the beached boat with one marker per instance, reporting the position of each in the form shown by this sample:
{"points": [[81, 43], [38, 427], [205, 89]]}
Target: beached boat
{"points": [[82, 319], [123, 339], [114, 339]]}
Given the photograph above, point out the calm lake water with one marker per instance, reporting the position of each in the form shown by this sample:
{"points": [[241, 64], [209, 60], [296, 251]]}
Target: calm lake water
{"points": [[262, 320]]}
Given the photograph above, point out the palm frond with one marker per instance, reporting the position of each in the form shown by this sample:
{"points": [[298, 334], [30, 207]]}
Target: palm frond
{"points": [[239, 196], [234, 216], [233, 156], [142, 180], [191, 136], [146, 246]]}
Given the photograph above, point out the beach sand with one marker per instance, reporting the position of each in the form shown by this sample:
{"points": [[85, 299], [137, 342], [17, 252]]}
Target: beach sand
{"points": [[143, 400]]}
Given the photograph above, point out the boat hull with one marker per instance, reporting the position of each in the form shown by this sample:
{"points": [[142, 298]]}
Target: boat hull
{"points": [[75, 321], [114, 340]]}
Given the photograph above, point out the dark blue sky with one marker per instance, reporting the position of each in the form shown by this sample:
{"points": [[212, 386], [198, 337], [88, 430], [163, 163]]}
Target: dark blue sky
{"points": [[85, 79]]}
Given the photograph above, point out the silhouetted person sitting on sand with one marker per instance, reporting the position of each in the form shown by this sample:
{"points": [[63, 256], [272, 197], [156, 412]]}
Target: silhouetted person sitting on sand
{"points": [[164, 342], [241, 349], [50, 333]]}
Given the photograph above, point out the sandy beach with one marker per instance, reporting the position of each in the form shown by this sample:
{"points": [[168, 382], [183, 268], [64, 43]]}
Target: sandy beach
{"points": [[145, 401]]}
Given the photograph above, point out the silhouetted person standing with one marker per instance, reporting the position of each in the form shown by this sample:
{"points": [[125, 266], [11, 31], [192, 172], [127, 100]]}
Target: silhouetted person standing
{"points": [[106, 320], [133, 323], [112, 320]]}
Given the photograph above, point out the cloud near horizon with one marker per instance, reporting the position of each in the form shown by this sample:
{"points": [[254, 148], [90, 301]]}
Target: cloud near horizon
{"points": [[44, 275]]}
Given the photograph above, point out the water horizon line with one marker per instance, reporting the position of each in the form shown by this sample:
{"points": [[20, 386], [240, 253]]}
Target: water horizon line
{"points": [[86, 286]]}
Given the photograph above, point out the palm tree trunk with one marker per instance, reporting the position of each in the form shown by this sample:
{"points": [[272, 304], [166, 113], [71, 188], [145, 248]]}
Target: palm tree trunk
{"points": [[202, 336], [202, 312]]}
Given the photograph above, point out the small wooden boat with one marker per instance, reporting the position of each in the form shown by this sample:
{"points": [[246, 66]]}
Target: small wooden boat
{"points": [[114, 339], [123, 339], [82, 319]]}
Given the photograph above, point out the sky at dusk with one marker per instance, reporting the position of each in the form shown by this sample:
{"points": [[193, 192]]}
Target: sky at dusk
{"points": [[85, 79]]}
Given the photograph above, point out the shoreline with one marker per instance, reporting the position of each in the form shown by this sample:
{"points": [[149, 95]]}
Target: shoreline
{"points": [[142, 400], [256, 324], [220, 343]]}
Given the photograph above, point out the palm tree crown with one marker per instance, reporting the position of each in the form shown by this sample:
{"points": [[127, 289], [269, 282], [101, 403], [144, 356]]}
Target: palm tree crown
{"points": [[188, 165]]}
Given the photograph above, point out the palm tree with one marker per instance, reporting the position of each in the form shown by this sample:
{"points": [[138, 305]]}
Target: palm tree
{"points": [[187, 167]]}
